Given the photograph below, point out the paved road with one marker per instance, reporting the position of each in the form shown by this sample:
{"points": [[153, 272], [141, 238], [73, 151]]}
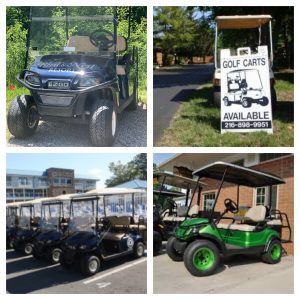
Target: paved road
{"points": [[28, 275], [171, 87], [131, 132], [237, 275]]}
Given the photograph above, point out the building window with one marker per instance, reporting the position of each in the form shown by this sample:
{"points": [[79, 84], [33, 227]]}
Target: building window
{"points": [[62, 181], [43, 181], [269, 156], [239, 162], [209, 200], [263, 197], [8, 181], [23, 181], [19, 193], [9, 193]]}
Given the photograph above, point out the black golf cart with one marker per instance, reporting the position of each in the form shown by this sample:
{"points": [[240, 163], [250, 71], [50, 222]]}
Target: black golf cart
{"points": [[201, 241], [80, 71], [170, 215], [12, 214], [103, 228], [53, 228], [28, 227]]}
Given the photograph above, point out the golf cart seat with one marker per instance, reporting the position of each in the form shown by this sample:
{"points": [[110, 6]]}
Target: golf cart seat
{"points": [[255, 215], [113, 236], [181, 213], [274, 222]]}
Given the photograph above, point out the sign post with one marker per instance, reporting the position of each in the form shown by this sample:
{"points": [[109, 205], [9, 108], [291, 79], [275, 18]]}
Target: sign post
{"points": [[245, 91]]}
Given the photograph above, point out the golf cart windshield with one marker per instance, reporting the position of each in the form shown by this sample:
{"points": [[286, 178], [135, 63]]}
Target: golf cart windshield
{"points": [[83, 215], [12, 213], [244, 79], [51, 213], [72, 30], [25, 215]]}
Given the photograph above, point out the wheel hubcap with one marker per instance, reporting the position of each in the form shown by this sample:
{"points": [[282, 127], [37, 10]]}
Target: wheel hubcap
{"points": [[113, 123], [28, 249], [275, 252], [140, 250], [32, 117], [203, 259], [93, 265], [55, 256]]}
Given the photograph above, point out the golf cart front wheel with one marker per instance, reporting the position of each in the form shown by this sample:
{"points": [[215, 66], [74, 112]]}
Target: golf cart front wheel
{"points": [[273, 254], [171, 251], [90, 265], [226, 101], [22, 117], [264, 101], [139, 249], [103, 124], [28, 248], [201, 258], [53, 255], [246, 103]]}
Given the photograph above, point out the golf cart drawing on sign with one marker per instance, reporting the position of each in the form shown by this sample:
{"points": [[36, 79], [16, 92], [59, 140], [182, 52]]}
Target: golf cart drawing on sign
{"points": [[256, 23], [200, 242], [82, 72], [245, 87]]}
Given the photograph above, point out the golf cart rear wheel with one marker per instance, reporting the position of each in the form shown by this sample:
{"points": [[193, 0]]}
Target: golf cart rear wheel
{"points": [[138, 249], [103, 124], [273, 254], [28, 248], [90, 265], [172, 253], [53, 255], [264, 102], [246, 103], [201, 258], [226, 101], [22, 117]]}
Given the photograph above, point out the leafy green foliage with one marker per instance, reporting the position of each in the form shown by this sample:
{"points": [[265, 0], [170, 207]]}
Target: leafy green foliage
{"points": [[135, 169]]}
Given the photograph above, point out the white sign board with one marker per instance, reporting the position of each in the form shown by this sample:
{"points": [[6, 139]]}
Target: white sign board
{"points": [[245, 91]]}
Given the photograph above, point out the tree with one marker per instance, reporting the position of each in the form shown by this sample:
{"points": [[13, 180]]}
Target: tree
{"points": [[134, 169]]}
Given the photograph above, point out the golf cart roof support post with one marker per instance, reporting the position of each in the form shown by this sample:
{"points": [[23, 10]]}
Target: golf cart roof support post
{"points": [[199, 195], [133, 205], [67, 23], [104, 206], [97, 207], [161, 188], [216, 46], [271, 44], [259, 35], [270, 197], [238, 196], [28, 38], [115, 34], [187, 196], [218, 194], [195, 189]]}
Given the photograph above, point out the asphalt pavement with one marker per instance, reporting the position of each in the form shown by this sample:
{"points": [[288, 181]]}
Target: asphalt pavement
{"points": [[236, 275], [172, 86], [25, 274], [131, 132]]}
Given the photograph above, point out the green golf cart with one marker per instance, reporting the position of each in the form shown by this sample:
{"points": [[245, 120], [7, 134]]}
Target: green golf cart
{"points": [[200, 242]]}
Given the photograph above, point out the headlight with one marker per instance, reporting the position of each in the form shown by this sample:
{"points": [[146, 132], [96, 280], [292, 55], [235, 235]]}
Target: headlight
{"points": [[32, 79], [82, 247], [88, 82], [49, 242]]}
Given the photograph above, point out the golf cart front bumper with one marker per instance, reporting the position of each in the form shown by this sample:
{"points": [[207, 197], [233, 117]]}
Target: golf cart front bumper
{"points": [[64, 103]]}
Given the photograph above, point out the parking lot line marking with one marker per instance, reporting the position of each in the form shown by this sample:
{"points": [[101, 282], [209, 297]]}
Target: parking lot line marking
{"points": [[17, 259], [115, 271]]}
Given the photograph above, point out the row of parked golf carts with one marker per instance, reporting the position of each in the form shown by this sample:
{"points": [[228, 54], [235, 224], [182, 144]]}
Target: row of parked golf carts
{"points": [[87, 228], [200, 237]]}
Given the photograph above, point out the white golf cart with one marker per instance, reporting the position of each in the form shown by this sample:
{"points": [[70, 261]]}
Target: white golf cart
{"points": [[243, 22]]}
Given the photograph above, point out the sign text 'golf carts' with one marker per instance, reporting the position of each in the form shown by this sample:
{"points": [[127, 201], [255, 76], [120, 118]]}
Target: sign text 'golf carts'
{"points": [[245, 91]]}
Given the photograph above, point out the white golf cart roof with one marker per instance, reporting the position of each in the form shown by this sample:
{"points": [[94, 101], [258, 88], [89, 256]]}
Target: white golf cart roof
{"points": [[35, 201], [238, 175], [176, 180], [59, 198], [242, 22], [172, 194], [14, 204], [108, 191]]}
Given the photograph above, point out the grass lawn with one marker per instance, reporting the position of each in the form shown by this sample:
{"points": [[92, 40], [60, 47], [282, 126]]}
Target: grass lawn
{"points": [[197, 122]]}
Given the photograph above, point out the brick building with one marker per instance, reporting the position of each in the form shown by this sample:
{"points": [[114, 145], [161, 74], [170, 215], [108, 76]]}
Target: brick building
{"points": [[282, 196], [24, 185]]}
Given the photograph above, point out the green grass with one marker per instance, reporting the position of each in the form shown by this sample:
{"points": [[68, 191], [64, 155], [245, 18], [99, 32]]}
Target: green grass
{"points": [[197, 123]]}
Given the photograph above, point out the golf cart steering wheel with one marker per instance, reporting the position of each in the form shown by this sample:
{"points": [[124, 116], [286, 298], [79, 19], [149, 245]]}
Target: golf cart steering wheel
{"points": [[231, 205], [101, 38]]}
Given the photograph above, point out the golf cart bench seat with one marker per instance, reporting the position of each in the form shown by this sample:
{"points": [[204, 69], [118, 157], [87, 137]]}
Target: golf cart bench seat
{"points": [[82, 43], [124, 221], [254, 215], [181, 213], [113, 236], [274, 222]]}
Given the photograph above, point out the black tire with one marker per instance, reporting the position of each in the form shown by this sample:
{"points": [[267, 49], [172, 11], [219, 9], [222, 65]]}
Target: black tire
{"points": [[102, 130], [157, 243], [268, 257], [226, 101], [22, 117], [133, 104], [264, 102], [273, 98], [190, 257], [53, 255], [246, 103], [138, 249], [28, 249], [172, 253], [90, 265]]}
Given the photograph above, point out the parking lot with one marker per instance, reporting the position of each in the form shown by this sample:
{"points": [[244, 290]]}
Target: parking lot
{"points": [[24, 274], [236, 275]]}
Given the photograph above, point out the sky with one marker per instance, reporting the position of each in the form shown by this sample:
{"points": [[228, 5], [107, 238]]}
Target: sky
{"points": [[87, 164], [161, 157]]}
